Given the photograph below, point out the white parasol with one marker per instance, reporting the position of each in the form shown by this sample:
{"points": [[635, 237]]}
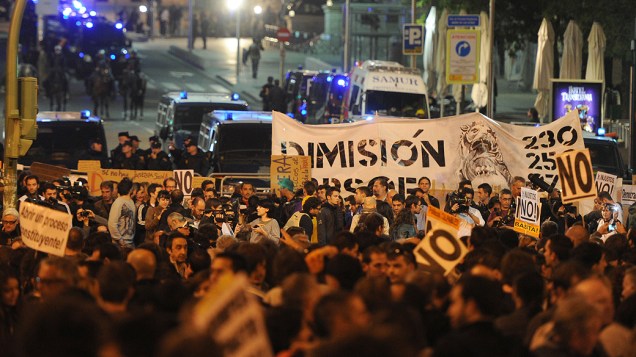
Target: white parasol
{"points": [[571, 61], [440, 56], [544, 68], [430, 40], [479, 93], [596, 54]]}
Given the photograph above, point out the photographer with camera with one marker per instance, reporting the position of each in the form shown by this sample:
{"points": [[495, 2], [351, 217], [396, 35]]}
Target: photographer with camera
{"points": [[32, 184], [505, 215], [610, 223], [462, 184], [460, 206], [88, 221], [50, 197]]}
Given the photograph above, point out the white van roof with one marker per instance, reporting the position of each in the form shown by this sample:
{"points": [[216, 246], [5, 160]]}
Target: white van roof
{"points": [[387, 76]]}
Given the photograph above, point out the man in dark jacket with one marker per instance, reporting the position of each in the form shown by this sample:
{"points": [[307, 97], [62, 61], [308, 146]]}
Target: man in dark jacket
{"points": [[157, 159], [193, 159], [127, 159], [331, 217]]}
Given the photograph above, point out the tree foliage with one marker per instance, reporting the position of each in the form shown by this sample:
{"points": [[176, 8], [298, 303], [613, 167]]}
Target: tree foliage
{"points": [[518, 21]]}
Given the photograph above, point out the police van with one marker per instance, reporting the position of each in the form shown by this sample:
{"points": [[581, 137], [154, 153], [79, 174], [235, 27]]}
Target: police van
{"points": [[64, 138], [236, 141], [179, 114], [385, 88]]}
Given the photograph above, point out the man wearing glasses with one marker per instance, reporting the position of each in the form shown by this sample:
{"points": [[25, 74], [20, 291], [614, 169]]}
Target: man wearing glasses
{"points": [[505, 215], [10, 226]]}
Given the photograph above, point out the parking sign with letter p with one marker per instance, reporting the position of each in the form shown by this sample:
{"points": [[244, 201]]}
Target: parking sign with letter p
{"points": [[413, 39]]}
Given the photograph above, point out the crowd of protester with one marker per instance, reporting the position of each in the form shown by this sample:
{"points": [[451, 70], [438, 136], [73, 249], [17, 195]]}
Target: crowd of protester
{"points": [[333, 276]]}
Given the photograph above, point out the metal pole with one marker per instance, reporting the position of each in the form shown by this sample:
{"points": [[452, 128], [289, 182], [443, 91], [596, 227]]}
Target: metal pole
{"points": [[413, 57], [490, 110], [347, 37], [282, 63], [632, 102], [190, 17], [238, 43], [12, 114], [151, 19]]}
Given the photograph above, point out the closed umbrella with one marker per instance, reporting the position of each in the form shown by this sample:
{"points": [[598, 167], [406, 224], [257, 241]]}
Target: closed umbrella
{"points": [[544, 67], [571, 61], [596, 54], [479, 93], [429, 48], [440, 59]]}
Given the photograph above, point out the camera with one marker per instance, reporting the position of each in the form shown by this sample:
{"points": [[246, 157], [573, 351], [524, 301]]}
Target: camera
{"points": [[611, 227], [463, 202], [84, 214], [508, 218]]}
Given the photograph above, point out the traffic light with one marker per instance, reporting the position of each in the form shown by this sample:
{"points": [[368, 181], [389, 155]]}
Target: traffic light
{"points": [[28, 104]]}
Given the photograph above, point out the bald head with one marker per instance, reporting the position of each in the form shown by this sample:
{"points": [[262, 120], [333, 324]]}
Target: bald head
{"points": [[577, 234], [144, 263], [597, 291]]}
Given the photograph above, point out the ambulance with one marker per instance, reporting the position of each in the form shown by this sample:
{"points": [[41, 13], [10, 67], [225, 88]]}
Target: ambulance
{"points": [[385, 88]]}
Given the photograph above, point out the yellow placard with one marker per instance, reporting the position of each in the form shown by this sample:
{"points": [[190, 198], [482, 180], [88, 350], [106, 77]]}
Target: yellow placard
{"points": [[88, 165], [441, 250], [197, 181], [576, 175], [95, 178], [294, 167], [526, 228], [451, 220]]}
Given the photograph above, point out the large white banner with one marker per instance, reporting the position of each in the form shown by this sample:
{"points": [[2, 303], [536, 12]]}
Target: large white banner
{"points": [[447, 150], [44, 229]]}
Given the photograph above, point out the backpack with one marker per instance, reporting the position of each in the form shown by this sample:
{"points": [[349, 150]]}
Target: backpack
{"points": [[294, 220]]}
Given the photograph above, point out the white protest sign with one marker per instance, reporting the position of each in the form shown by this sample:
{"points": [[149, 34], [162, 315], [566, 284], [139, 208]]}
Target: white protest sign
{"points": [[606, 183], [576, 175], [440, 250], [628, 195], [233, 317], [528, 214], [44, 229], [184, 180]]}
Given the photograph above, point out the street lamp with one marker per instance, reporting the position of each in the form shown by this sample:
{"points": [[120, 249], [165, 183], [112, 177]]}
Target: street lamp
{"points": [[235, 5]]}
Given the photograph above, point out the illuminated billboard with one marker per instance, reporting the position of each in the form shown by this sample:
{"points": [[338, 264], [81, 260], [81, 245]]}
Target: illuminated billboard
{"points": [[584, 96]]}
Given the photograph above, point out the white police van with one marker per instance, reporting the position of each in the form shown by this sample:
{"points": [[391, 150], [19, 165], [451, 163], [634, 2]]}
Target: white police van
{"points": [[386, 88], [179, 114]]}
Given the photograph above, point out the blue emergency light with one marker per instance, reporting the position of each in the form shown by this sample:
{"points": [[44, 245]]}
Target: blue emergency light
{"points": [[85, 114], [235, 96], [600, 131], [183, 95]]}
